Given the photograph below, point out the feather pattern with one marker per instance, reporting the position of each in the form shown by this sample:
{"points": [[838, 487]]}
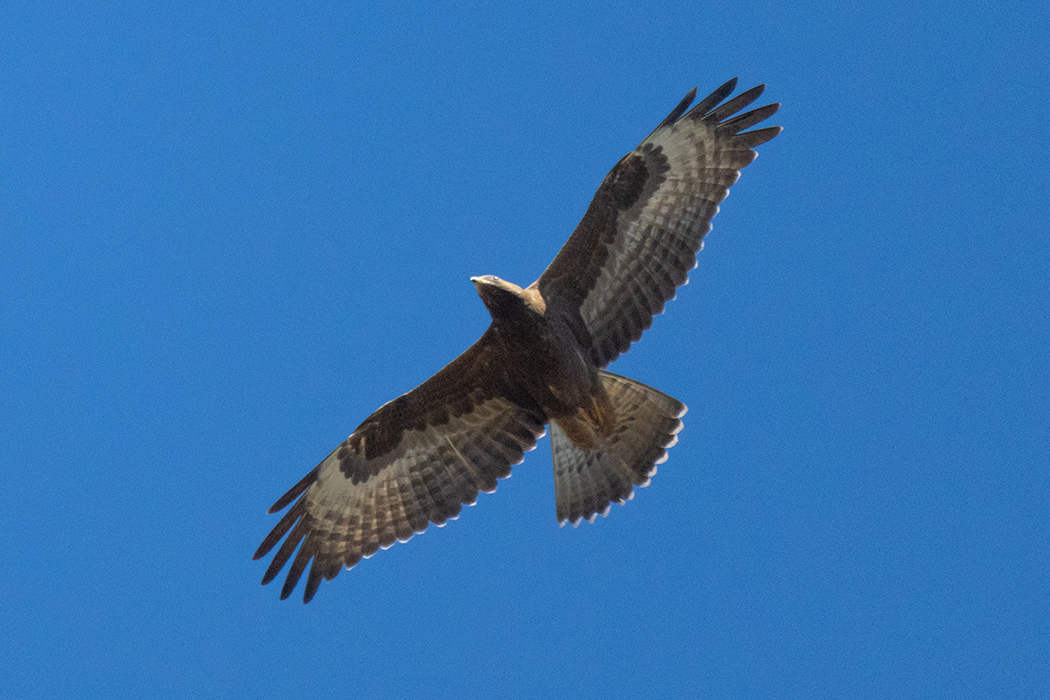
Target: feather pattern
{"points": [[420, 458], [639, 238], [587, 481], [358, 501]]}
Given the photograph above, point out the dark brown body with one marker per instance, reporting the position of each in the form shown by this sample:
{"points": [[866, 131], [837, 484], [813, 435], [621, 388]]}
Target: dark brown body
{"points": [[543, 354]]}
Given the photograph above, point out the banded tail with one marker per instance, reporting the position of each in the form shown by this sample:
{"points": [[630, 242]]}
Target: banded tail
{"points": [[588, 481]]}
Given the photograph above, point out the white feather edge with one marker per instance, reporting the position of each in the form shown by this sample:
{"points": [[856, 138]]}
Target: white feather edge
{"points": [[630, 496]]}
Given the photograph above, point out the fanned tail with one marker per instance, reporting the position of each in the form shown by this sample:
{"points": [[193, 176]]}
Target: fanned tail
{"points": [[587, 481]]}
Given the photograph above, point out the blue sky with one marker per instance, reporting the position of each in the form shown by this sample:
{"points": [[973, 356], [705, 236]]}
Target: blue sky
{"points": [[227, 234]]}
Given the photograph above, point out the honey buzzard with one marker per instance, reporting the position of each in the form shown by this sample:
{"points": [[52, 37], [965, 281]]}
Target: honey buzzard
{"points": [[420, 457]]}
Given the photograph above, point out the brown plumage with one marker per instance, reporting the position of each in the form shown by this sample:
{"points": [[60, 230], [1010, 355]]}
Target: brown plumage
{"points": [[420, 457]]}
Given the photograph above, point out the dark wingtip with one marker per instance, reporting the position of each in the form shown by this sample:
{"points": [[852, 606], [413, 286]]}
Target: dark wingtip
{"points": [[313, 580], [269, 576], [747, 120], [680, 109], [720, 93], [751, 139], [286, 550], [294, 492], [299, 564], [288, 587], [280, 529], [725, 88], [731, 107]]}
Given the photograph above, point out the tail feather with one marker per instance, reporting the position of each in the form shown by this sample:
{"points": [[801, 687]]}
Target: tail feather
{"points": [[588, 481]]}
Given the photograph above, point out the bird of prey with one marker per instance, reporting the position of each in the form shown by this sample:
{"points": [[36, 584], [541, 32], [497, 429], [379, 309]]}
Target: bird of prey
{"points": [[419, 458]]}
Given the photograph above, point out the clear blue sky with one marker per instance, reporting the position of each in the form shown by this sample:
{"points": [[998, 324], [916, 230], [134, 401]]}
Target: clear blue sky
{"points": [[227, 234]]}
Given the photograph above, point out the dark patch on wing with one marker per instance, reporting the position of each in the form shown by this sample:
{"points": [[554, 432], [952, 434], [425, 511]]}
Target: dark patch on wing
{"points": [[628, 179], [456, 389], [576, 267]]}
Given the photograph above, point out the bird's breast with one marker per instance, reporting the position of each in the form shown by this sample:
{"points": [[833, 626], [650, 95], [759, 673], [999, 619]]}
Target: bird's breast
{"points": [[547, 361]]}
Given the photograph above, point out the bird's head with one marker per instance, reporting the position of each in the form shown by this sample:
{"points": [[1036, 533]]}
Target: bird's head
{"points": [[503, 298]]}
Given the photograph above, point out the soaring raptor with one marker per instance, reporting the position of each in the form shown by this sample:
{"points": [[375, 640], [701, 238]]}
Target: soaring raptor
{"points": [[420, 457]]}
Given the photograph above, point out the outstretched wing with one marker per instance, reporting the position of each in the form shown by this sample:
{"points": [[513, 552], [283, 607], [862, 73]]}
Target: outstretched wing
{"points": [[640, 235], [413, 462]]}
